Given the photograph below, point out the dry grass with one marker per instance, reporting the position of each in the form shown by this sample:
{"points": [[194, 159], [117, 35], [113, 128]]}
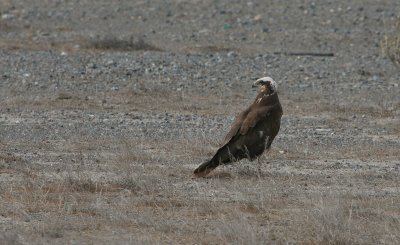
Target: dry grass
{"points": [[353, 219], [153, 99], [145, 195], [111, 43], [138, 189], [130, 100], [391, 48], [391, 45]]}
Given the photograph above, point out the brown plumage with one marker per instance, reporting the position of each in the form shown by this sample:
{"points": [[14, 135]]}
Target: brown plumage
{"points": [[252, 131]]}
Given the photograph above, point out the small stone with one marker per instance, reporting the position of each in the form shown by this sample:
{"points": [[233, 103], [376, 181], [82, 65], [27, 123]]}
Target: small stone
{"points": [[7, 16], [257, 17]]}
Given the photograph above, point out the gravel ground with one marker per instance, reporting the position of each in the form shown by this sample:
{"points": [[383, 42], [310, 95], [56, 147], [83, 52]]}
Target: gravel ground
{"points": [[98, 90]]}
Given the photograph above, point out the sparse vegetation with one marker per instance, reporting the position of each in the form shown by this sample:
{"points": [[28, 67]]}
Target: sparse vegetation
{"points": [[391, 45], [98, 145], [391, 48], [112, 43], [144, 190]]}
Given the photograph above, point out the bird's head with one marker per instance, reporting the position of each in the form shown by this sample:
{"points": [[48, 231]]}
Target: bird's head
{"points": [[266, 85]]}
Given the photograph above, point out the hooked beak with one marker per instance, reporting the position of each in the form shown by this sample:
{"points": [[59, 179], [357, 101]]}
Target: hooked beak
{"points": [[255, 84]]}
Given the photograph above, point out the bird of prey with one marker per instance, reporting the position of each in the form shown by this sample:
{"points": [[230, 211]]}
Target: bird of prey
{"points": [[252, 131]]}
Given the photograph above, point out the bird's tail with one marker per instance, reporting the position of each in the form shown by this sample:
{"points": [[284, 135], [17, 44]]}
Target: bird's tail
{"points": [[205, 168], [223, 156]]}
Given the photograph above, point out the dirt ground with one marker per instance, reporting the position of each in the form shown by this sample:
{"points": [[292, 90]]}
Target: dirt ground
{"points": [[106, 108]]}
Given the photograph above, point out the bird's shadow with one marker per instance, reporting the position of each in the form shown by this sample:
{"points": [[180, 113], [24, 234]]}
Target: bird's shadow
{"points": [[241, 173]]}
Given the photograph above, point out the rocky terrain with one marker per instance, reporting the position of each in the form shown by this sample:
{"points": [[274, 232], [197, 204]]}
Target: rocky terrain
{"points": [[107, 108]]}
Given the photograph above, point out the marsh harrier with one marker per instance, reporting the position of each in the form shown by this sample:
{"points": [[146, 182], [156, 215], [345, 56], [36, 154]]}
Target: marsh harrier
{"points": [[253, 130]]}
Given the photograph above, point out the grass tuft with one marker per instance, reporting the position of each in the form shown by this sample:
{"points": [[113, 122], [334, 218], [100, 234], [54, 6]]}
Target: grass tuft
{"points": [[112, 43], [391, 45]]}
